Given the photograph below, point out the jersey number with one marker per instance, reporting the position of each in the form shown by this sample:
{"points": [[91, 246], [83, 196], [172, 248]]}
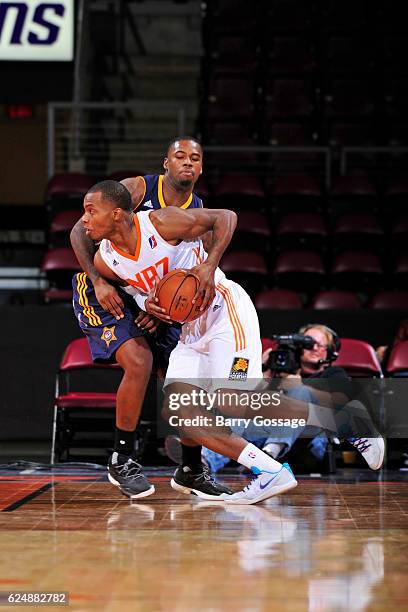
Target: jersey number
{"points": [[145, 280]]}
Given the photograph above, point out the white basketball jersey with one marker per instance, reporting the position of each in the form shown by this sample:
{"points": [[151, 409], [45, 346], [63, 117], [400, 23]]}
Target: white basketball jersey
{"points": [[153, 258]]}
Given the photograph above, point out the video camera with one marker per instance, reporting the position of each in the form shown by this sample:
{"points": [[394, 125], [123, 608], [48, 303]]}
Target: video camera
{"points": [[286, 358]]}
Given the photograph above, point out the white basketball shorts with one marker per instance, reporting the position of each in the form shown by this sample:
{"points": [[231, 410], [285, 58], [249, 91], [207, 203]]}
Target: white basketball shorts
{"points": [[221, 349]]}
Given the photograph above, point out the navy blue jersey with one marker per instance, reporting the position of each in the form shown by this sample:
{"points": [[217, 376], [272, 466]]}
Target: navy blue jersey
{"points": [[153, 196]]}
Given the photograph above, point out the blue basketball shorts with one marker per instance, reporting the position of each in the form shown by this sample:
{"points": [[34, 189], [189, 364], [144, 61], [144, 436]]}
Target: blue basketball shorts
{"points": [[106, 334]]}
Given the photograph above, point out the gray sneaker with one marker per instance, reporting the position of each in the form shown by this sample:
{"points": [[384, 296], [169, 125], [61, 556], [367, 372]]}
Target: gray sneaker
{"points": [[124, 472]]}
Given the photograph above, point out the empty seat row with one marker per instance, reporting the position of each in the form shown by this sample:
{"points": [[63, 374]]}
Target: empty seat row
{"points": [[300, 270], [73, 186], [304, 270], [285, 299]]}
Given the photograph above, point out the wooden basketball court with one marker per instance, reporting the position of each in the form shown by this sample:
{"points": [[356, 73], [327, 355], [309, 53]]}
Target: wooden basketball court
{"points": [[330, 544]]}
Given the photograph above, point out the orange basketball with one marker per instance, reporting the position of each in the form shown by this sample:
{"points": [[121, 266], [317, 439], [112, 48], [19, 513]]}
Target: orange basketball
{"points": [[175, 293]]}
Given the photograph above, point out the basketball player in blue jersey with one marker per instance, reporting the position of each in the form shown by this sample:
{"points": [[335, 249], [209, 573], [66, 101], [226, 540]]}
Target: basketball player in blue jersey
{"points": [[117, 330]]}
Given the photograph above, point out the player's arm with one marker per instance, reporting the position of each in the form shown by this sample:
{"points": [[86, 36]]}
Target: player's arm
{"points": [[173, 223], [85, 249], [137, 188]]}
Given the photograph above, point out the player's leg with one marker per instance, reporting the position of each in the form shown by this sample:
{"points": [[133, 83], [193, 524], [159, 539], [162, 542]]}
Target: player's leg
{"points": [[236, 366], [192, 476], [183, 451], [135, 358], [109, 340]]}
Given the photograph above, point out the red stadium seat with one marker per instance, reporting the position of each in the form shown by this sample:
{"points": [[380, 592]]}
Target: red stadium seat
{"points": [[397, 188], [59, 266], [353, 193], [396, 196], [252, 231], [305, 228], [297, 185], [239, 191], [358, 358], [247, 268], [68, 184], [360, 228], [399, 229], [400, 272], [392, 300], [299, 270], [65, 220], [77, 357], [352, 186], [398, 362], [278, 299], [66, 191], [357, 270], [61, 226], [335, 300]]}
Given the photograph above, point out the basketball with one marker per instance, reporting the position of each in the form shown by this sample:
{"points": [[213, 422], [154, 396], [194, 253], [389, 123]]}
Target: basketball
{"points": [[175, 293]]}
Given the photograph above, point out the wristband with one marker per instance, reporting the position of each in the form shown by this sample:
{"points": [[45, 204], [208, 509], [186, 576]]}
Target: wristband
{"points": [[141, 301]]}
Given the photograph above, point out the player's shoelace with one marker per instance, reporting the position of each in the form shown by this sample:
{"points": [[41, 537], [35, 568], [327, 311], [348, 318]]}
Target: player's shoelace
{"points": [[254, 477], [361, 444], [206, 476], [130, 469]]}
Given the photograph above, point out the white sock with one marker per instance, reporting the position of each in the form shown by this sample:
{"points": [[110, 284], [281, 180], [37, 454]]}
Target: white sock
{"points": [[273, 448], [252, 456]]}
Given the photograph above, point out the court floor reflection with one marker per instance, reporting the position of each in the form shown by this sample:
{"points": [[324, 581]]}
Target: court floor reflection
{"points": [[323, 547]]}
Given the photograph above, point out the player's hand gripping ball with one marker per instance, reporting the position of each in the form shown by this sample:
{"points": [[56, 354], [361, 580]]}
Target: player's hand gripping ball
{"points": [[175, 293]]}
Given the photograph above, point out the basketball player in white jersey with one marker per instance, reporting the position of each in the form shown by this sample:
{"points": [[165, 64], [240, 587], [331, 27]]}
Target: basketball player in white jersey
{"points": [[219, 351], [139, 249]]}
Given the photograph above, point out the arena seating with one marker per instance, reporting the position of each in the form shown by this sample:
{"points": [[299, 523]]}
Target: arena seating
{"points": [[59, 266], [397, 366], [358, 358], [278, 299], [70, 405]]}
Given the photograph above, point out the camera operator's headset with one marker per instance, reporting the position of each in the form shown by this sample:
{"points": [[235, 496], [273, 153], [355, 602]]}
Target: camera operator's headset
{"points": [[334, 346]]}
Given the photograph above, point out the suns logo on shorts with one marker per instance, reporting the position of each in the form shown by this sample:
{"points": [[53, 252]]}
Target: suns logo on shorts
{"points": [[108, 335], [239, 369]]}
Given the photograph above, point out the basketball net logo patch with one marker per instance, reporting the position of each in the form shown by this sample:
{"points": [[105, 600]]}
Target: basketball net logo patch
{"points": [[108, 335], [239, 369], [152, 242]]}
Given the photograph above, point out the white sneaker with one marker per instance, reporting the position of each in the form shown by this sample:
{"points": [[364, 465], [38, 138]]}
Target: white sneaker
{"points": [[372, 449], [265, 485]]}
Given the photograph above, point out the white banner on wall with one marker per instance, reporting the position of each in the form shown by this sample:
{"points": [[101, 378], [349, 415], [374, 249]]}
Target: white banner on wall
{"points": [[37, 30]]}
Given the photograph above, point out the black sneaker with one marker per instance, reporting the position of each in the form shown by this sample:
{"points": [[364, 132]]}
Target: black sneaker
{"points": [[201, 484], [126, 473]]}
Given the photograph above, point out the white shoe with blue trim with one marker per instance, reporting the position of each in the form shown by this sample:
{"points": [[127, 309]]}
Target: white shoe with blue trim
{"points": [[264, 485]]}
